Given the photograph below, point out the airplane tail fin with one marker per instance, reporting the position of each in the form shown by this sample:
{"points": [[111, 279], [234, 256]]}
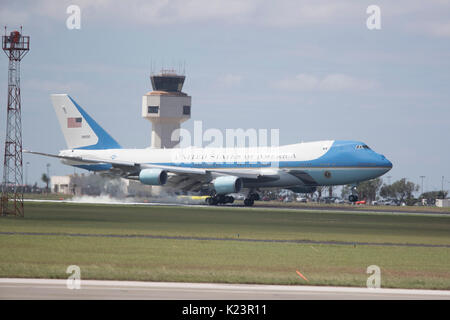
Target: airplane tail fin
{"points": [[79, 129]]}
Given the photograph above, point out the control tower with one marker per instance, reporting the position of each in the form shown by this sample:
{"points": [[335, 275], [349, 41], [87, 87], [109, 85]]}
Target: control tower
{"points": [[166, 107]]}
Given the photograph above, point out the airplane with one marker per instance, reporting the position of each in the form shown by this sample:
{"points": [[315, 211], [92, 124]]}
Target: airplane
{"points": [[300, 167]]}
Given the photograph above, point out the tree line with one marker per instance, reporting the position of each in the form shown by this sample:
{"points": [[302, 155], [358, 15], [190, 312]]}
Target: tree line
{"points": [[401, 190]]}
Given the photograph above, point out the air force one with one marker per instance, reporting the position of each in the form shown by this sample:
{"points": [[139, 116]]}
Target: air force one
{"points": [[298, 167]]}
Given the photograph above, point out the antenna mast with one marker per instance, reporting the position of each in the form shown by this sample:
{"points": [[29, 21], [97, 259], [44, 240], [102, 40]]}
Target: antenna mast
{"points": [[15, 46]]}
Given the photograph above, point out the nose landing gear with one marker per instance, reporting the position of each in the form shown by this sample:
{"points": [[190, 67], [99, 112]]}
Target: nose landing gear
{"points": [[354, 196]]}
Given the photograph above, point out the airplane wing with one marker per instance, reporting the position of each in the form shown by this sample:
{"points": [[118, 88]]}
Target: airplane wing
{"points": [[183, 178], [187, 182], [87, 160], [124, 165]]}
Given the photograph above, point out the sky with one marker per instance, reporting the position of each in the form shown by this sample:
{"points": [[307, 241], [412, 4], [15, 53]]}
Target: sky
{"points": [[311, 69]]}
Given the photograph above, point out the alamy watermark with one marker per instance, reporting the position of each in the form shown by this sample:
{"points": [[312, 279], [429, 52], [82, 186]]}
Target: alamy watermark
{"points": [[373, 22], [74, 19], [374, 280], [74, 280], [249, 146]]}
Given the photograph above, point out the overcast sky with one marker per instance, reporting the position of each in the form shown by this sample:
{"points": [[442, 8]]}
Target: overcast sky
{"points": [[309, 68]]}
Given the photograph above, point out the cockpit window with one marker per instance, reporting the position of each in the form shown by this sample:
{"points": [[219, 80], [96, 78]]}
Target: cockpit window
{"points": [[362, 146]]}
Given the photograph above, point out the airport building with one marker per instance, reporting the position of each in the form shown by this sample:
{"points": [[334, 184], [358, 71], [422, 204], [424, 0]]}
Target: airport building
{"points": [[166, 107], [443, 203], [61, 184]]}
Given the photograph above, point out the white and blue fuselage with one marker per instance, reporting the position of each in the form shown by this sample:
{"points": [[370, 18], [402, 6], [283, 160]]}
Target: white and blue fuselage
{"points": [[300, 167], [331, 162]]}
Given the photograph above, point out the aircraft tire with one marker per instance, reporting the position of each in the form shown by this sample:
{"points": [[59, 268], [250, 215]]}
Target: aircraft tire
{"points": [[255, 196], [212, 201], [249, 202]]}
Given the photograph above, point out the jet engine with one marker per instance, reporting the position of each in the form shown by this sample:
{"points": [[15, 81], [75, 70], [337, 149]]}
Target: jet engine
{"points": [[153, 177], [227, 184]]}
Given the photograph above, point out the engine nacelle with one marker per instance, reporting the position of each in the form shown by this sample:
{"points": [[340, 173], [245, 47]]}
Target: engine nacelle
{"points": [[303, 189], [227, 184], [153, 177]]}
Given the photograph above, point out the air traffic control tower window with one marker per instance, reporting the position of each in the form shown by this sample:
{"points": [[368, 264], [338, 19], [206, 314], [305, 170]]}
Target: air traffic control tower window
{"points": [[152, 109], [168, 83], [186, 110]]}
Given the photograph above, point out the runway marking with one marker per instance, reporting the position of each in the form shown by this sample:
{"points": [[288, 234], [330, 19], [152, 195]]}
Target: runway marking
{"points": [[161, 237]]}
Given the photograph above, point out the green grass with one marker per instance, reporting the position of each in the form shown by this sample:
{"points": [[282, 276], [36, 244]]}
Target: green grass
{"points": [[228, 222], [302, 205], [225, 261]]}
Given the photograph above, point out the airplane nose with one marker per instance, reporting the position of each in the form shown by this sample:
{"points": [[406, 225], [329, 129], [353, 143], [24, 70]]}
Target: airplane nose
{"points": [[384, 162]]}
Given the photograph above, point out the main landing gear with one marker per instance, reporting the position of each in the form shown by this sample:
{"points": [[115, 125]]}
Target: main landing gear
{"points": [[251, 198], [214, 200], [354, 196]]}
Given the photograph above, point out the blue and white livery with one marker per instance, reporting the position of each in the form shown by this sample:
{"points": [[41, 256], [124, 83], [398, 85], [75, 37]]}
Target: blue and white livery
{"points": [[299, 167]]}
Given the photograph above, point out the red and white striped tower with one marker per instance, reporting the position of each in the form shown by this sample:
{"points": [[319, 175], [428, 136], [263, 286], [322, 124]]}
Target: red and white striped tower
{"points": [[16, 46]]}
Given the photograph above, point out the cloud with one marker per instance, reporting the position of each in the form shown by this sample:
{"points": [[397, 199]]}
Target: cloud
{"points": [[250, 12], [134, 12], [284, 13], [331, 82], [48, 86], [9, 16], [229, 80], [438, 29]]}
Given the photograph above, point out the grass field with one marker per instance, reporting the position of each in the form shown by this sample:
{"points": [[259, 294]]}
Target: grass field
{"points": [[128, 258], [301, 205]]}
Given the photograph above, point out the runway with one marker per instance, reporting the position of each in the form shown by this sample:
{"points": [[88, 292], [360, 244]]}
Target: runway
{"points": [[374, 210], [124, 290]]}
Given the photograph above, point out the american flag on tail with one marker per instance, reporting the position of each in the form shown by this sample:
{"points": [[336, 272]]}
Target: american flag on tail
{"points": [[74, 122]]}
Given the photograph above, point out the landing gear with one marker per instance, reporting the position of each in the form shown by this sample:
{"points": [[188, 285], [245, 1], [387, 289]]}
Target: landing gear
{"points": [[217, 199], [251, 198], [354, 196], [214, 200], [228, 199], [248, 202]]}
